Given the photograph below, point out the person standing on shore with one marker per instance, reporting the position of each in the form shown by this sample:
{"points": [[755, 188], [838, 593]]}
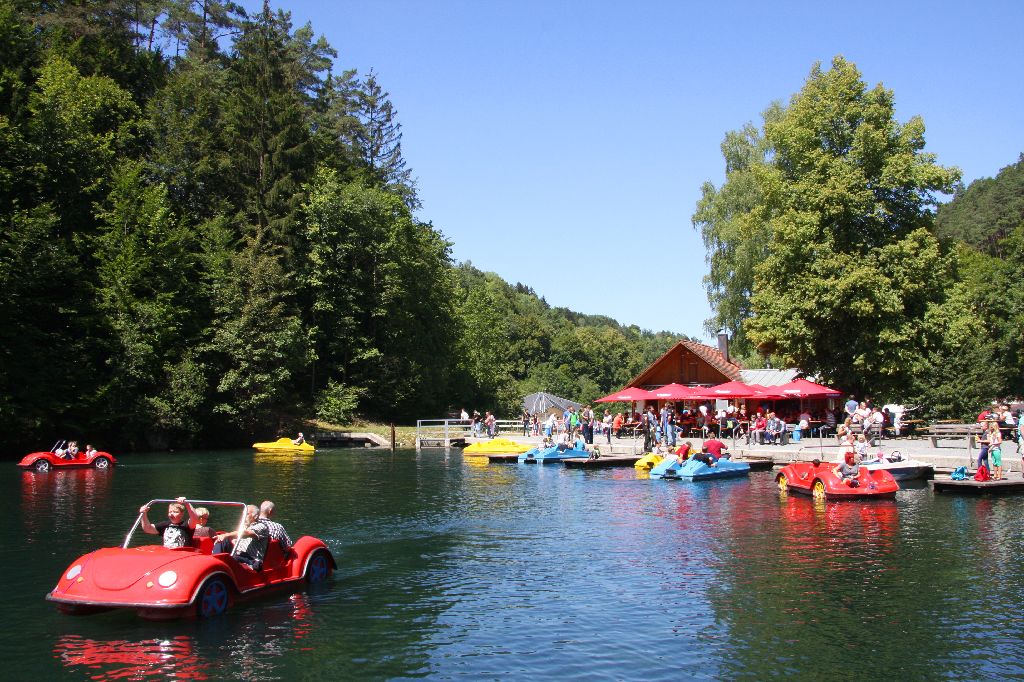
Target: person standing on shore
{"points": [[850, 407], [649, 426]]}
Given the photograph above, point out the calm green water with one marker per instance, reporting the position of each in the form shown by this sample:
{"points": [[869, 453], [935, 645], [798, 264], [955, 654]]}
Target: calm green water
{"points": [[453, 569]]}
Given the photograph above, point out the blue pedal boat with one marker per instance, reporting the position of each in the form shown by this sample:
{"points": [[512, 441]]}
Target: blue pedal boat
{"points": [[549, 455], [692, 470]]}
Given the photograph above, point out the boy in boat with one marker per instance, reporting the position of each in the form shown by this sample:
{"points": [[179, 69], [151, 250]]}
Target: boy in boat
{"points": [[683, 452], [176, 531], [202, 529], [705, 458], [299, 440]]}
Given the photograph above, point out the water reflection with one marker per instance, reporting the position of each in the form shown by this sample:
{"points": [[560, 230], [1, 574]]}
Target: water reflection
{"points": [[131, 660], [48, 500], [246, 643]]}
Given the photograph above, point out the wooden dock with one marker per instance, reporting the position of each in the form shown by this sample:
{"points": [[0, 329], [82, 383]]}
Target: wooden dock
{"points": [[971, 487], [758, 464], [348, 439]]}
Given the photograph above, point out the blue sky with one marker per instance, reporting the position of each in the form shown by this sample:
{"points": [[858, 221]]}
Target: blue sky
{"points": [[562, 144]]}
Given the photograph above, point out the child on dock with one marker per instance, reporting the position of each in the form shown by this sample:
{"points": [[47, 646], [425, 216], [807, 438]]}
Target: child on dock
{"points": [[995, 450]]}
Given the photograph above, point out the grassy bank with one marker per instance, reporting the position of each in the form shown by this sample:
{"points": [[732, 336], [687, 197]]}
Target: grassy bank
{"points": [[405, 436]]}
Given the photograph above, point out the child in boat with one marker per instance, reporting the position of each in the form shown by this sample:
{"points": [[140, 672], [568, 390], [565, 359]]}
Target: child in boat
{"points": [[177, 529], [202, 529], [299, 440], [683, 452], [860, 448]]}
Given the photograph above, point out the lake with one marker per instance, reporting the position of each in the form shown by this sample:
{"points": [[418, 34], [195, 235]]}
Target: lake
{"points": [[452, 568]]}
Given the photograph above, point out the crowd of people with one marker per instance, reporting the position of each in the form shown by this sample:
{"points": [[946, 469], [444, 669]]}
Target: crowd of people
{"points": [[185, 522], [855, 424]]}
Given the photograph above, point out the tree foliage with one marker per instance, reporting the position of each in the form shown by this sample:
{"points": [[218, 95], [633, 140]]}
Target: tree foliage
{"points": [[829, 206], [208, 233]]}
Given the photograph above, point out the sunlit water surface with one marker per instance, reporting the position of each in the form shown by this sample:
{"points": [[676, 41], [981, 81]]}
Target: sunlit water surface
{"points": [[452, 568]]}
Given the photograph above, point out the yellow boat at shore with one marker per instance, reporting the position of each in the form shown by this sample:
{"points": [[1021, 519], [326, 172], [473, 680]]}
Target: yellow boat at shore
{"points": [[283, 445], [496, 446], [648, 461]]}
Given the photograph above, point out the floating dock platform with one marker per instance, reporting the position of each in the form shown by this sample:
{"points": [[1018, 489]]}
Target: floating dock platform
{"points": [[971, 487]]}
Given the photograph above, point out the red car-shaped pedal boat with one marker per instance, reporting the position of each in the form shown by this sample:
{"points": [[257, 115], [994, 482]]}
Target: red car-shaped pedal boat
{"points": [[820, 481], [46, 461], [170, 583]]}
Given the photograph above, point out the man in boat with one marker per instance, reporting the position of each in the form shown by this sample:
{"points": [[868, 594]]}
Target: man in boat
{"points": [[176, 530], [716, 448], [277, 531], [251, 541], [706, 458], [299, 440]]}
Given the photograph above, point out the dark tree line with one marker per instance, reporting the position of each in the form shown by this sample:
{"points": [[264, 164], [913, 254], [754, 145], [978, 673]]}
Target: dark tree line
{"points": [[207, 233]]}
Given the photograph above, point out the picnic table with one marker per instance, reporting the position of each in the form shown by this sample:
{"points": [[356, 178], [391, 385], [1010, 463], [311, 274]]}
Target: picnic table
{"points": [[911, 426], [946, 430]]}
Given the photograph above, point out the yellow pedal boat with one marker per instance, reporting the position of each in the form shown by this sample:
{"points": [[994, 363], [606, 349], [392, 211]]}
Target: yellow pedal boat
{"points": [[648, 461], [496, 446], [282, 445]]}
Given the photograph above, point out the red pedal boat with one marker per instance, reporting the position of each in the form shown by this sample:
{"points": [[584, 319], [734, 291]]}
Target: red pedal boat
{"points": [[47, 461], [820, 481], [160, 583]]}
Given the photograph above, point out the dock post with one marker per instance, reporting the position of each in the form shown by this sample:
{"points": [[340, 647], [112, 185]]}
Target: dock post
{"points": [[392, 436]]}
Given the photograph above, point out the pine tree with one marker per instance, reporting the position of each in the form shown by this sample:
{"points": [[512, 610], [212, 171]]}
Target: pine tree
{"points": [[379, 140], [267, 132]]}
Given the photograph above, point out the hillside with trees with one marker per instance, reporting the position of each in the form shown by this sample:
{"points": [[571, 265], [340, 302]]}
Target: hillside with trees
{"points": [[209, 233]]}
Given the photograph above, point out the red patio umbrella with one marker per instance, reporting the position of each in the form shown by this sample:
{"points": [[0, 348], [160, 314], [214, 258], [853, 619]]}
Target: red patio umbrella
{"points": [[802, 388], [627, 395], [673, 392], [729, 390]]}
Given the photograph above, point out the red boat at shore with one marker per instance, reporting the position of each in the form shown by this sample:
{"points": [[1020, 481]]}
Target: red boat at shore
{"points": [[818, 480]]}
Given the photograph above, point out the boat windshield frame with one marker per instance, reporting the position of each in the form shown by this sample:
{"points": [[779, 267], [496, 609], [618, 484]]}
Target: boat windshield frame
{"points": [[194, 503]]}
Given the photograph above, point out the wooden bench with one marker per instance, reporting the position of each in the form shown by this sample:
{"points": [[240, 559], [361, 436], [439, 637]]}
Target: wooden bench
{"points": [[947, 431]]}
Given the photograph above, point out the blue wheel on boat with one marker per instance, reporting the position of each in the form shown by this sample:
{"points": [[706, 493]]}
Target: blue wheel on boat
{"points": [[319, 567], [214, 598]]}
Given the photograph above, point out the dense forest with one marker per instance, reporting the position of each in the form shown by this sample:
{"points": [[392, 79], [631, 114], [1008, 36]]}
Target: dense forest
{"points": [[209, 234], [830, 250]]}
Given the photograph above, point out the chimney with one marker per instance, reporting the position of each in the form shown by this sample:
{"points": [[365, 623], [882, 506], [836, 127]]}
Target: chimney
{"points": [[723, 344]]}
